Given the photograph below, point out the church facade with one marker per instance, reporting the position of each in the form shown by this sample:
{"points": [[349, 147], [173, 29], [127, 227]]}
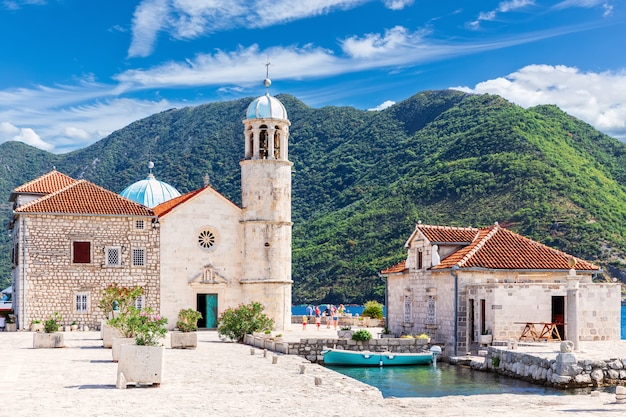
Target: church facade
{"points": [[198, 250]]}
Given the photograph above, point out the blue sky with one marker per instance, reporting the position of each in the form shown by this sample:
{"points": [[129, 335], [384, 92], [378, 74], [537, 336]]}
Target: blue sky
{"points": [[74, 71]]}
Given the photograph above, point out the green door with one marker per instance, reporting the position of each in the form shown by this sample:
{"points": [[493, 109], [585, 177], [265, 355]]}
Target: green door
{"points": [[207, 305]]}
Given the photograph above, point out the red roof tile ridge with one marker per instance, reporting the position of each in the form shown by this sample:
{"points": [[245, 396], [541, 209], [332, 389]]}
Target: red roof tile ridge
{"points": [[167, 206], [478, 243], [24, 207], [438, 227], [579, 261], [43, 178], [399, 267]]}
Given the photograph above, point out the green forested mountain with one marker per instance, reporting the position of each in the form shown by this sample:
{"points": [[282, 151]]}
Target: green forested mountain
{"points": [[361, 179]]}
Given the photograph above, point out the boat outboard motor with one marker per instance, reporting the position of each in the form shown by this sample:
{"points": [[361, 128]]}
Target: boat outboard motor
{"points": [[436, 350]]}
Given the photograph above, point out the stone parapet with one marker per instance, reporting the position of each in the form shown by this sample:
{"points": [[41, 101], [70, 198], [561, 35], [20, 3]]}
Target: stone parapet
{"points": [[311, 349], [565, 370]]}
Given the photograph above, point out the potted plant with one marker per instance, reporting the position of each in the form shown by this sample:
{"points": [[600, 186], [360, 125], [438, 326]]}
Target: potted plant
{"points": [[486, 338], [423, 338], [74, 326], [187, 325], [36, 326], [345, 332], [116, 300], [50, 338], [142, 363], [10, 324], [386, 333]]}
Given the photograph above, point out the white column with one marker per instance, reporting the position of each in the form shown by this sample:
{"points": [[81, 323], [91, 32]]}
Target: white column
{"points": [[572, 307]]}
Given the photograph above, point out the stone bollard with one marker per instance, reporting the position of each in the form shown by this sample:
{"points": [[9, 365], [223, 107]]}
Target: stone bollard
{"points": [[265, 353], [620, 394], [252, 351], [318, 380], [512, 344], [567, 346], [274, 360], [302, 369]]}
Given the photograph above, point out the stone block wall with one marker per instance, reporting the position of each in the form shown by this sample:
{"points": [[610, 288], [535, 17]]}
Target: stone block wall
{"points": [[565, 371], [311, 349], [48, 280]]}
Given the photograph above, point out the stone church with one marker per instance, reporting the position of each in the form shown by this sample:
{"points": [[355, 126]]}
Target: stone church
{"points": [[72, 238]]}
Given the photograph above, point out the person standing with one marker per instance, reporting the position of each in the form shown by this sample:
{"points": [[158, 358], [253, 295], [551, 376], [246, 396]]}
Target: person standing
{"points": [[309, 310], [318, 317], [304, 321], [335, 316]]}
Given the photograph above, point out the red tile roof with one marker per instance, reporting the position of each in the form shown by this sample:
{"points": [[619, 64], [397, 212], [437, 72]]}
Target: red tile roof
{"points": [[494, 248], [399, 267], [498, 248], [167, 206], [46, 184], [447, 234], [84, 197]]}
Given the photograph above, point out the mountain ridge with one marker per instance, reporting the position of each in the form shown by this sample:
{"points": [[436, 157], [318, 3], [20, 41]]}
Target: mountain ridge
{"points": [[362, 179]]}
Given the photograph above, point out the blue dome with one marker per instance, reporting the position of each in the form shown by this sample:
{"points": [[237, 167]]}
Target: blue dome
{"points": [[266, 107], [150, 192]]}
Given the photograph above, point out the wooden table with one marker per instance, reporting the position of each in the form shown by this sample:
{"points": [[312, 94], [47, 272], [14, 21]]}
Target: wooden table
{"points": [[549, 331]]}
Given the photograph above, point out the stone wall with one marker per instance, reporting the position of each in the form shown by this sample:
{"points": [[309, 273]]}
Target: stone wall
{"points": [[48, 281], [311, 349], [565, 371]]}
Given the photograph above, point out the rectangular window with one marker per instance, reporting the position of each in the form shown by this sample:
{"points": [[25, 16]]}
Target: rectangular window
{"points": [[420, 260], [430, 311], [139, 257], [139, 302], [139, 224], [81, 252], [407, 309], [113, 255], [82, 303]]}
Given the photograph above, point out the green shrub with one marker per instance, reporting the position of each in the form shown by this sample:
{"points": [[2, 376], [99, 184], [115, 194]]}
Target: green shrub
{"points": [[235, 323], [362, 335], [373, 309], [52, 324], [495, 361], [188, 320]]}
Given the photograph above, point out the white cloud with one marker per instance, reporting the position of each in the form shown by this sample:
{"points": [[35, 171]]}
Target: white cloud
{"points": [[596, 98], [383, 105], [374, 44], [397, 4], [188, 19], [8, 132], [149, 18], [503, 7]]}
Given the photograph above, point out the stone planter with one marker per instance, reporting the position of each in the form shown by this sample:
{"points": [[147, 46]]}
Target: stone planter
{"points": [[108, 333], [67, 328], [140, 365], [183, 340], [74, 327], [11, 327], [345, 334], [48, 340], [485, 339], [36, 327], [117, 344]]}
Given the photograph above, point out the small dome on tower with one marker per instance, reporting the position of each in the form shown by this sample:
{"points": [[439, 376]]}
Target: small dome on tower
{"points": [[150, 192], [266, 107]]}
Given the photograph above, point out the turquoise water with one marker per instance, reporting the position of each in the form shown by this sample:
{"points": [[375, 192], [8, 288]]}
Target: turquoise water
{"points": [[440, 380], [444, 379]]}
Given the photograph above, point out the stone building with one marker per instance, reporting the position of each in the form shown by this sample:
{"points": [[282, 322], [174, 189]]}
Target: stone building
{"points": [[458, 283], [197, 250]]}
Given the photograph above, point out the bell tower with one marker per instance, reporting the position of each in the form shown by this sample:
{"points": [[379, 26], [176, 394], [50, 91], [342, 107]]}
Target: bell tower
{"points": [[266, 205]]}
